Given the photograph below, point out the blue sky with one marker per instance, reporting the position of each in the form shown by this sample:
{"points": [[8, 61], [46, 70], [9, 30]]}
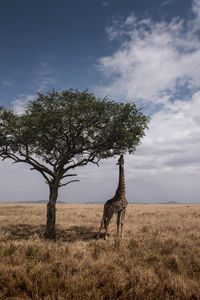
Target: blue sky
{"points": [[146, 51], [46, 44]]}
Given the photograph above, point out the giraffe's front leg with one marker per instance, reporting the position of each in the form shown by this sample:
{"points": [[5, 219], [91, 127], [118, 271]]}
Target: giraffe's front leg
{"points": [[122, 221], [118, 222]]}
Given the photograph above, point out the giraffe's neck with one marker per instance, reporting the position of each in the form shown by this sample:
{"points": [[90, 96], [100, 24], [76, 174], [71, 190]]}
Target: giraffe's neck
{"points": [[121, 190]]}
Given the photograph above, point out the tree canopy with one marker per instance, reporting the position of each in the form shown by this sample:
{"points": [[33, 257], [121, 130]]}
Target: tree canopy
{"points": [[60, 131]]}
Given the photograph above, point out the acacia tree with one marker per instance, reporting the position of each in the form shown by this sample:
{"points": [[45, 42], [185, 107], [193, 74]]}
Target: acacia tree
{"points": [[60, 131]]}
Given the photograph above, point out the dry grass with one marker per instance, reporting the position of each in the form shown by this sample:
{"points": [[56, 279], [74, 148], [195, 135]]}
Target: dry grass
{"points": [[158, 259]]}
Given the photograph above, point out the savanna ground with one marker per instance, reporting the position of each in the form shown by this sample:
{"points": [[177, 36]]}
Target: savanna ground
{"points": [[159, 258]]}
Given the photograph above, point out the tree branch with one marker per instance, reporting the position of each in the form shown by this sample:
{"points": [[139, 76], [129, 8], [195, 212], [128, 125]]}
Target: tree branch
{"points": [[68, 175], [27, 161], [83, 162], [63, 184], [35, 163]]}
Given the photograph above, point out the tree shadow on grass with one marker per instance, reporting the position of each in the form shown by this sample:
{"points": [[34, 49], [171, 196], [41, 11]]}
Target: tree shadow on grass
{"points": [[76, 233], [23, 231], [71, 234]]}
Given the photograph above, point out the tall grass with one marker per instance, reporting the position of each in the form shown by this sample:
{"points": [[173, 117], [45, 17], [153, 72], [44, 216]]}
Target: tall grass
{"points": [[159, 258]]}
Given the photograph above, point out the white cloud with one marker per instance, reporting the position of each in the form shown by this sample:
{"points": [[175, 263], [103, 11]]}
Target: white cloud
{"points": [[172, 143], [19, 105], [154, 60]]}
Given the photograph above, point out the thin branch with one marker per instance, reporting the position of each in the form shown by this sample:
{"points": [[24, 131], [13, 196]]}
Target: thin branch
{"points": [[11, 156], [83, 162], [63, 184], [68, 175], [48, 181]]}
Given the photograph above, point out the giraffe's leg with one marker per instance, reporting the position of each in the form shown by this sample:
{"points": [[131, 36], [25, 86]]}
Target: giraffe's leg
{"points": [[107, 218], [106, 222], [118, 222], [101, 225], [122, 221]]}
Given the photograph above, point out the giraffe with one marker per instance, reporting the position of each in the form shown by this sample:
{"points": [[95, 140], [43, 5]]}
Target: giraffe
{"points": [[117, 204]]}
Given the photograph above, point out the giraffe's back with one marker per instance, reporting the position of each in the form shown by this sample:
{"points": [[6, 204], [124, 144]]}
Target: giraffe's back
{"points": [[116, 205]]}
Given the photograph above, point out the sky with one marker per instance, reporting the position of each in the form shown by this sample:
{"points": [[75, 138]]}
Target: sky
{"points": [[142, 51]]}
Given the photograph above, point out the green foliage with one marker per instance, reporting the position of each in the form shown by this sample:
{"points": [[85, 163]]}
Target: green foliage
{"points": [[7, 129], [62, 130]]}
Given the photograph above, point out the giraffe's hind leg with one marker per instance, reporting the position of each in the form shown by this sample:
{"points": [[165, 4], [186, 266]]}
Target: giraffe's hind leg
{"points": [[101, 225], [106, 223], [118, 222], [107, 216], [123, 212]]}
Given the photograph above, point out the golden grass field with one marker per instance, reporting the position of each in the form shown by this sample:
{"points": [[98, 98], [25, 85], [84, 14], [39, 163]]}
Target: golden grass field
{"points": [[159, 258]]}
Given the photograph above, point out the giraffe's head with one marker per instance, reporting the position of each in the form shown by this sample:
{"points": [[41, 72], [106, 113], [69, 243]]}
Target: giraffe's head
{"points": [[121, 160]]}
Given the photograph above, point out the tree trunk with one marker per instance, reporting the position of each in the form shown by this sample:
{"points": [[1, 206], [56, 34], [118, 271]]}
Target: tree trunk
{"points": [[50, 232]]}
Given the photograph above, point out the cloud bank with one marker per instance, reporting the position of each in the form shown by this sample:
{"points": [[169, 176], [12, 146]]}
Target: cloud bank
{"points": [[157, 65], [155, 60]]}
